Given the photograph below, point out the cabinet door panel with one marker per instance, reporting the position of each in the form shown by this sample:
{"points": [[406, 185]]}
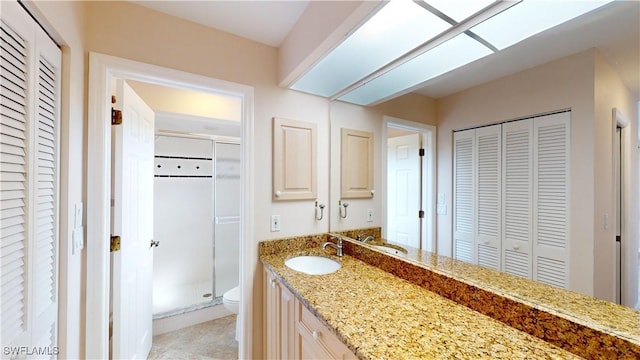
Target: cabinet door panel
{"points": [[294, 160], [356, 168]]}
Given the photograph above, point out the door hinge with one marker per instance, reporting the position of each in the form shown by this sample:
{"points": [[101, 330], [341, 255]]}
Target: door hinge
{"points": [[115, 243], [421, 214], [421, 152], [116, 117]]}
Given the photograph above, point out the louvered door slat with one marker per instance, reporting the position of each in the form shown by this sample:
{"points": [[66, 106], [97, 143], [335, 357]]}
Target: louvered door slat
{"points": [[551, 200], [13, 123]]}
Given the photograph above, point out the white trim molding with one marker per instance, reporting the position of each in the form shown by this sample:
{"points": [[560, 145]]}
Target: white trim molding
{"points": [[102, 69]]}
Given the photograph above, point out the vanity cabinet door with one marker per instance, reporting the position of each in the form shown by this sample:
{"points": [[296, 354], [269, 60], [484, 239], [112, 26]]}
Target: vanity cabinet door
{"points": [[271, 316], [314, 340], [279, 319]]}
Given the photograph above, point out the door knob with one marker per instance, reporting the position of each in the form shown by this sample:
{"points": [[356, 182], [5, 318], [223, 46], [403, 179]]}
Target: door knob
{"points": [[154, 243]]}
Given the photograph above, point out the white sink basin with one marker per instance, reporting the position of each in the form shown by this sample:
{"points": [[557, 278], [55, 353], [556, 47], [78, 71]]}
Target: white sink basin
{"points": [[391, 250], [312, 265]]}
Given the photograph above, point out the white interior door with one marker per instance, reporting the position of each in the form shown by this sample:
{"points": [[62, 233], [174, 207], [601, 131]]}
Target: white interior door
{"points": [[403, 190], [133, 222]]}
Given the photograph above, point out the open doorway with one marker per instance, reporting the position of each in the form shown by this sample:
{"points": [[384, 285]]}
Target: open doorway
{"points": [[103, 69], [409, 217]]}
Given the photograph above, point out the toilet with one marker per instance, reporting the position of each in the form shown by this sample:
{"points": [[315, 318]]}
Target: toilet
{"points": [[231, 301]]}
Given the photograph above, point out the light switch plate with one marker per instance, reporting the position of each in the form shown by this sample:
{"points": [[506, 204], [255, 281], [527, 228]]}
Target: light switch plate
{"points": [[77, 215], [369, 215], [275, 223], [440, 198], [77, 240]]}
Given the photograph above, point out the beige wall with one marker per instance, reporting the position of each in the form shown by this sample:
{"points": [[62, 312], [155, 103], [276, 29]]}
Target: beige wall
{"points": [[562, 84], [65, 21]]}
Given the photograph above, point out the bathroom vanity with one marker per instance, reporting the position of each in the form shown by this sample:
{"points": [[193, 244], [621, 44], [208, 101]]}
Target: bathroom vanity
{"points": [[378, 305]]}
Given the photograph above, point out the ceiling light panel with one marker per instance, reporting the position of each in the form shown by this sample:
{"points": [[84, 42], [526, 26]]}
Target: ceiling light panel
{"points": [[394, 30], [459, 10], [447, 56], [531, 17]]}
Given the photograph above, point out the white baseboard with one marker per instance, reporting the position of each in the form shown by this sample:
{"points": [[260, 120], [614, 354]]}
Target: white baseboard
{"points": [[177, 322]]}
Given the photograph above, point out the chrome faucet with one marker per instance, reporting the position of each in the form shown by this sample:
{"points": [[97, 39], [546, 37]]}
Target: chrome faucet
{"points": [[366, 238], [337, 246]]}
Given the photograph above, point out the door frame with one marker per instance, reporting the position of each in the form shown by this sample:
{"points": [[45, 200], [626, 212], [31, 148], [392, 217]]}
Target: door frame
{"points": [[102, 69], [629, 247], [428, 182]]}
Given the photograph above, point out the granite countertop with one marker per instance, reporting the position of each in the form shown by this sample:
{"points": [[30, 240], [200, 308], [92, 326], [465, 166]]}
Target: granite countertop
{"points": [[620, 321], [381, 316]]}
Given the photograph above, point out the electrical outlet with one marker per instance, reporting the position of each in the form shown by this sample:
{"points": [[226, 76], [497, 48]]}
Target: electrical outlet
{"points": [[441, 209], [440, 198], [369, 215], [275, 223]]}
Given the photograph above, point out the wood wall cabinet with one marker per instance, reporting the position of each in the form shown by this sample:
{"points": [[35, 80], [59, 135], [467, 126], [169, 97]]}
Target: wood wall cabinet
{"points": [[356, 168], [294, 160], [511, 197], [292, 331]]}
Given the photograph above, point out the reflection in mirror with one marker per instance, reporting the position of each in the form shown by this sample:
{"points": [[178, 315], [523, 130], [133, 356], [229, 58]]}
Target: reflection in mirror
{"points": [[356, 164], [364, 209], [409, 192]]}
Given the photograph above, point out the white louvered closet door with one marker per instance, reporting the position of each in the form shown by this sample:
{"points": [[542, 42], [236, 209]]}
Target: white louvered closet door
{"points": [[464, 196], [488, 238], [517, 190], [551, 199], [30, 81]]}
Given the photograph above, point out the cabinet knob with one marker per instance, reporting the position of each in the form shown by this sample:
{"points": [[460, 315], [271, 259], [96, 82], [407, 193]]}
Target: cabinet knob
{"points": [[516, 247], [486, 242], [315, 335], [278, 193], [273, 283]]}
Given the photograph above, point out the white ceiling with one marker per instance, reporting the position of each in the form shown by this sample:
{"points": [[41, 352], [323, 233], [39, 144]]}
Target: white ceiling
{"points": [[614, 30], [265, 21]]}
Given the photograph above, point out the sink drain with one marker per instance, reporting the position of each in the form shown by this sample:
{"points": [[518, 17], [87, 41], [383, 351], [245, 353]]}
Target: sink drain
{"points": [[207, 295]]}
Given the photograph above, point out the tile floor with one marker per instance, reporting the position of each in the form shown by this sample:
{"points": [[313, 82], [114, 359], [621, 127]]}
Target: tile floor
{"points": [[211, 340]]}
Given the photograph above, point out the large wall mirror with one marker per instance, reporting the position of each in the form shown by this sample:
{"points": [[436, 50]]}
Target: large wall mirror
{"points": [[399, 197]]}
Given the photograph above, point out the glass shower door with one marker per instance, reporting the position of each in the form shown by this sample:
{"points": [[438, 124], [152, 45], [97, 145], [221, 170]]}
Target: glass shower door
{"points": [[227, 216]]}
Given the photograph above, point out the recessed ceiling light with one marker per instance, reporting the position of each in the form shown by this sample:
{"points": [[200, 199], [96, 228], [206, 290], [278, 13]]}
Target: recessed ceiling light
{"points": [[531, 17], [394, 30], [445, 57]]}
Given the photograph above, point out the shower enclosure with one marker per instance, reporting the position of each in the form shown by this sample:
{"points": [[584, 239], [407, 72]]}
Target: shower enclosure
{"points": [[196, 222]]}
